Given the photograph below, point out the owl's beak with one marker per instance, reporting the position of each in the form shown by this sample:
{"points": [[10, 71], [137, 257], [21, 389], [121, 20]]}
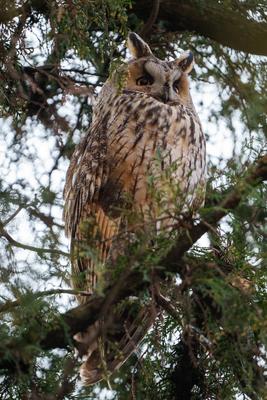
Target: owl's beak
{"points": [[166, 93]]}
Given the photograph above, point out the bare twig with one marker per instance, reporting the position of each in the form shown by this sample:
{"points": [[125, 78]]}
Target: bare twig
{"points": [[151, 20], [9, 305], [38, 250], [167, 306], [12, 216]]}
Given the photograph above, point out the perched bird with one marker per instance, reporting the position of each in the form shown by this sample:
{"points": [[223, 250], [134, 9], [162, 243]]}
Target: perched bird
{"points": [[144, 129]]}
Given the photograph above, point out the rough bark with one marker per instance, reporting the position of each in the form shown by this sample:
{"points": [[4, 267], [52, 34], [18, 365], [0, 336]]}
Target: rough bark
{"points": [[226, 26]]}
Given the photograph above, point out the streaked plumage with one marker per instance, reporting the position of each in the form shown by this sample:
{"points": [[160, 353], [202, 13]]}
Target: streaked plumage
{"points": [[142, 130]]}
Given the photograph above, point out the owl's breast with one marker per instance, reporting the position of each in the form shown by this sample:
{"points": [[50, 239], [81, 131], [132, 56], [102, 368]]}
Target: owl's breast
{"points": [[149, 141]]}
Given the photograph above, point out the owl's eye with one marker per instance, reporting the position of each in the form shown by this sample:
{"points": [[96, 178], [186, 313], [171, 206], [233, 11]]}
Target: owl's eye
{"points": [[176, 85], [144, 80]]}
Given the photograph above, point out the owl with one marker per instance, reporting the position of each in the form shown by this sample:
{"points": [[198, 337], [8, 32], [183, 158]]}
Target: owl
{"points": [[145, 138]]}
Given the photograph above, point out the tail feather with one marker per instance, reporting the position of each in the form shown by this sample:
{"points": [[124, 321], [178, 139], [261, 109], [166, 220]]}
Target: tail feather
{"points": [[103, 362], [104, 348]]}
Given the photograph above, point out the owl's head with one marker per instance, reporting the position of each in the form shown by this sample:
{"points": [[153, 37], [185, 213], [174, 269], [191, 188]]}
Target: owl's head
{"points": [[166, 81]]}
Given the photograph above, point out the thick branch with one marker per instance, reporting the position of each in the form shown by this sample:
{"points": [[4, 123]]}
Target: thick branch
{"points": [[208, 18]]}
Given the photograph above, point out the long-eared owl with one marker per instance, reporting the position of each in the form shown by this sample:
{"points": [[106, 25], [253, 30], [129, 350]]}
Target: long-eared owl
{"points": [[144, 125]]}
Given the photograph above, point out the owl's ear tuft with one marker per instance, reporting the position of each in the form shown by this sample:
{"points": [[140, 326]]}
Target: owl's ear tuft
{"points": [[186, 61], [137, 47]]}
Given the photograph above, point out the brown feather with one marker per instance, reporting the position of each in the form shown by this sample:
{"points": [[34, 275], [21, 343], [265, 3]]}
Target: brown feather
{"points": [[136, 133]]}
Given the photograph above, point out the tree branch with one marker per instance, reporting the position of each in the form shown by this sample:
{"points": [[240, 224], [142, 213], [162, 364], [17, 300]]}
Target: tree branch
{"points": [[226, 26], [9, 305], [256, 174], [38, 250], [146, 29]]}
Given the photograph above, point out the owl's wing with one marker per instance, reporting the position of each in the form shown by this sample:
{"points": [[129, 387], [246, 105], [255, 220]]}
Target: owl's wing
{"points": [[90, 228], [90, 194]]}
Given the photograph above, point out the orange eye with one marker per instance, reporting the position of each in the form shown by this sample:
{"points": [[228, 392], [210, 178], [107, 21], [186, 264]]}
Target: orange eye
{"points": [[176, 85], [144, 80]]}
